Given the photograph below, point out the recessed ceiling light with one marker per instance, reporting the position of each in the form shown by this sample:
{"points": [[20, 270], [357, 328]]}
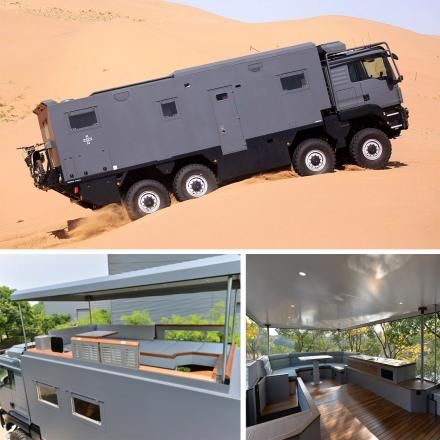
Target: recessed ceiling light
{"points": [[292, 305], [302, 274], [401, 303]]}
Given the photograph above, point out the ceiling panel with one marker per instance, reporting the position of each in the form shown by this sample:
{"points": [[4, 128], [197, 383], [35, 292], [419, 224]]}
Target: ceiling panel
{"points": [[339, 291]]}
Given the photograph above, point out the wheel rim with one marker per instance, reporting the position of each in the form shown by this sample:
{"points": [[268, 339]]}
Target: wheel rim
{"points": [[196, 186], [315, 160], [149, 202], [372, 149]]}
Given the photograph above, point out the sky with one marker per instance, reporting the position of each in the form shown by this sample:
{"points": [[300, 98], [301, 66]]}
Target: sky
{"points": [[22, 271], [422, 16]]}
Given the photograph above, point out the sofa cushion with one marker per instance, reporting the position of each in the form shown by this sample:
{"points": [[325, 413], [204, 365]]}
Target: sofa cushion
{"points": [[289, 370], [278, 361]]}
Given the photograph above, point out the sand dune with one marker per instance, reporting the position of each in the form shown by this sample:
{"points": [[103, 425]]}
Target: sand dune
{"points": [[63, 49]]}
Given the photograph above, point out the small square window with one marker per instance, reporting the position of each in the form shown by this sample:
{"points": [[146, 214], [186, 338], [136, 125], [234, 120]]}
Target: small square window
{"points": [[86, 409], [169, 109], [47, 394], [83, 119], [293, 81], [221, 96]]}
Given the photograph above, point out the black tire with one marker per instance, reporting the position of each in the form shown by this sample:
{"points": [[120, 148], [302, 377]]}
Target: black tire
{"points": [[18, 435], [194, 181], [145, 197], [313, 156], [370, 148]]}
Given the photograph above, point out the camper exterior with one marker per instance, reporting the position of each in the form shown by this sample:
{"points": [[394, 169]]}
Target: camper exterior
{"points": [[117, 382], [201, 127]]}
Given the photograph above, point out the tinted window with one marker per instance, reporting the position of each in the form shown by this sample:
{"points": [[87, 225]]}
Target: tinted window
{"points": [[86, 409], [375, 67], [83, 120], [221, 96], [7, 378], [169, 109], [47, 394], [367, 68], [294, 81]]}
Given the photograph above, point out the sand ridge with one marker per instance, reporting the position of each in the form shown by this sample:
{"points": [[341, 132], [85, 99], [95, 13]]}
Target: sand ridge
{"points": [[63, 49]]}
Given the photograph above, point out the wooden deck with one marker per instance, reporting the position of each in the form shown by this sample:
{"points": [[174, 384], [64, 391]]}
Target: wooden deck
{"points": [[351, 412]]}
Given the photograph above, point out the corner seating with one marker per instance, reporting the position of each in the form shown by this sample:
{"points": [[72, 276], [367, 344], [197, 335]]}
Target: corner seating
{"points": [[288, 363]]}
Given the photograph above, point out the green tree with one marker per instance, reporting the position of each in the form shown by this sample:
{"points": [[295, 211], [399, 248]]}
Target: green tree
{"points": [[138, 317], [397, 338]]}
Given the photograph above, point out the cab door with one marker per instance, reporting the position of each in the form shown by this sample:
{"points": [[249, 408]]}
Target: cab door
{"points": [[377, 81]]}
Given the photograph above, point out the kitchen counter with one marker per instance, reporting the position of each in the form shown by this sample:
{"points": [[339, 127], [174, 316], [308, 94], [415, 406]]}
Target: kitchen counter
{"points": [[382, 361]]}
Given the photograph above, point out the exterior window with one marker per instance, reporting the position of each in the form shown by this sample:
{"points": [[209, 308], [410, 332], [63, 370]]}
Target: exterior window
{"points": [[83, 119], [221, 96], [7, 378], [169, 109], [293, 81], [369, 68], [86, 409], [47, 394]]}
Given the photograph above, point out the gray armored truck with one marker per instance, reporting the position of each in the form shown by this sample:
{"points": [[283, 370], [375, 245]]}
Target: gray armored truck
{"points": [[129, 382], [201, 127]]}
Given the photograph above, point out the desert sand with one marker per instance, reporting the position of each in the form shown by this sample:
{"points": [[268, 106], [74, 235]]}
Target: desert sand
{"points": [[68, 49]]}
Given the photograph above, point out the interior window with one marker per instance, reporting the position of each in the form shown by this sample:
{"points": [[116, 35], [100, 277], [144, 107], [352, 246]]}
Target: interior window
{"points": [[169, 109], [47, 393], [86, 409], [293, 81], [375, 67], [83, 119]]}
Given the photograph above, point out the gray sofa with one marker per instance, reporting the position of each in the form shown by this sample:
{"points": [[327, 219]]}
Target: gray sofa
{"points": [[288, 363]]}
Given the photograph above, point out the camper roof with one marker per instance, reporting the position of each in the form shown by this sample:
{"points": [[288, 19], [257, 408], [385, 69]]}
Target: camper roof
{"points": [[206, 274]]}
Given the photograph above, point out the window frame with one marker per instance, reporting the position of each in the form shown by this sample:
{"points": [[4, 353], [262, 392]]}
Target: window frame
{"points": [[74, 396], [46, 402], [293, 73], [81, 112], [360, 68], [169, 101]]}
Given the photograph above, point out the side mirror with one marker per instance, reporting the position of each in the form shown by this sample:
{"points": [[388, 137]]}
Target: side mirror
{"points": [[394, 56]]}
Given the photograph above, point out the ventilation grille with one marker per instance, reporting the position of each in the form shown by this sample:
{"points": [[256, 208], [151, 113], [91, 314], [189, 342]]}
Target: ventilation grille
{"points": [[85, 350], [120, 355]]}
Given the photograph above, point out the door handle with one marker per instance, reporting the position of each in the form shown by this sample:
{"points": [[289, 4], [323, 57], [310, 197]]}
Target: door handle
{"points": [[366, 97], [222, 130]]}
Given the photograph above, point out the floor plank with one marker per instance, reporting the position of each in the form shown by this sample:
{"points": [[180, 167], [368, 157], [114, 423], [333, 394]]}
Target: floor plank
{"points": [[350, 412]]}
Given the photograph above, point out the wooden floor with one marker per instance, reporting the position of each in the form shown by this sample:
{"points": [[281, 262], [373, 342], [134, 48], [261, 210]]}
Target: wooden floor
{"points": [[351, 412], [292, 402]]}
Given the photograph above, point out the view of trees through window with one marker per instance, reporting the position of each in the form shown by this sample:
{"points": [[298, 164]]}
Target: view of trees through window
{"points": [[396, 339]]}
